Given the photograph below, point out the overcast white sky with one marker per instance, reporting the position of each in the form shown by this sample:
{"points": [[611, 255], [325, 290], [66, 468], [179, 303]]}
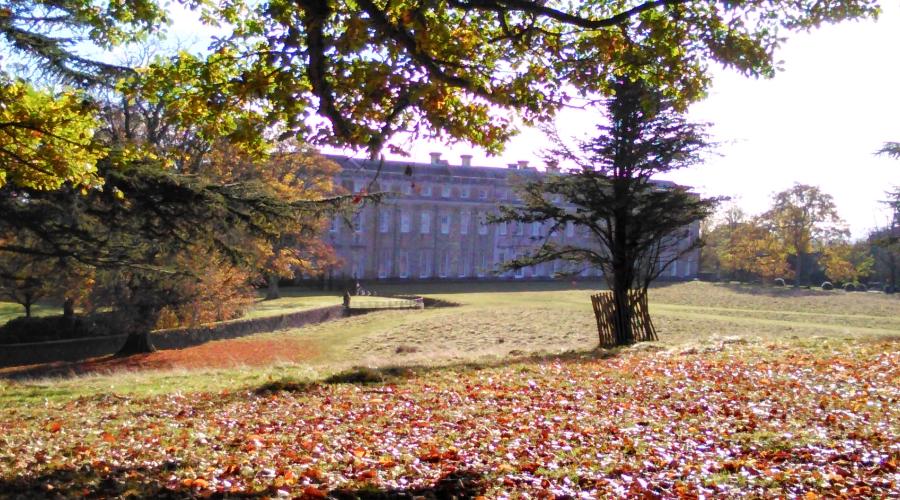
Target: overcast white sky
{"points": [[817, 122]]}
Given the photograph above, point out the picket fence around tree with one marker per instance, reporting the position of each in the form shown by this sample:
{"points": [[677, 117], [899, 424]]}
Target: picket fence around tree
{"points": [[604, 308]]}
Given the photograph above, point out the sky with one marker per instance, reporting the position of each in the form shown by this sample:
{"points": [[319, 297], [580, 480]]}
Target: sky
{"points": [[818, 122]]}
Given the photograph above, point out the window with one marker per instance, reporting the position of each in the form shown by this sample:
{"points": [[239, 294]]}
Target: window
{"points": [[501, 258], [445, 224], [520, 272], [464, 265], [406, 188], [502, 229], [426, 190], [482, 194], [674, 268], [424, 264], [403, 264], [464, 192], [359, 267], [464, 223], [384, 263], [535, 229], [404, 221], [358, 222], [425, 223], [444, 264], [482, 224], [570, 229], [384, 221], [335, 224], [358, 186], [445, 191], [520, 228]]}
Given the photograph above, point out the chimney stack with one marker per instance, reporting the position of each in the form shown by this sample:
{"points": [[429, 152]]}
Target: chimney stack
{"points": [[435, 158], [523, 164], [512, 166], [466, 160]]}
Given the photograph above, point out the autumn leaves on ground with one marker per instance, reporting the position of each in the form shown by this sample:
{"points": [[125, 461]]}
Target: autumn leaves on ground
{"points": [[751, 392]]}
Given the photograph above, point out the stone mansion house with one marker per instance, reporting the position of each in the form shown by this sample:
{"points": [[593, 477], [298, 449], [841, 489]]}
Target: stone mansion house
{"points": [[433, 226]]}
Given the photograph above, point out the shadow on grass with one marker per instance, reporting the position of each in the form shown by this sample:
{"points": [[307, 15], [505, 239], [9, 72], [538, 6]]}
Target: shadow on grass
{"points": [[70, 369], [776, 291], [456, 485], [386, 375], [87, 481]]}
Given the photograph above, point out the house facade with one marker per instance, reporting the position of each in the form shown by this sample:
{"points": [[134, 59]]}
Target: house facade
{"points": [[433, 224]]}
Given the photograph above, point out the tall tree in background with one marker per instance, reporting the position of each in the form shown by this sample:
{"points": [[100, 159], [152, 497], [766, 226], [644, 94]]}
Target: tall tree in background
{"points": [[885, 241], [106, 173], [638, 226], [295, 172], [753, 250], [801, 216], [846, 262], [25, 279], [717, 233]]}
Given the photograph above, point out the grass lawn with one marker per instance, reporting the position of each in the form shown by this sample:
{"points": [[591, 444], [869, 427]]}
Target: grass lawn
{"points": [[751, 392], [9, 310], [292, 300]]}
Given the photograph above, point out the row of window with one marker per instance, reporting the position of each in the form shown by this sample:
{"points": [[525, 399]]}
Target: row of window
{"points": [[535, 229], [410, 188], [443, 264], [452, 265]]}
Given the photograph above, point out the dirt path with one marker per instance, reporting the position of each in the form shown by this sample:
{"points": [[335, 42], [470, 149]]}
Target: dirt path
{"points": [[217, 354]]}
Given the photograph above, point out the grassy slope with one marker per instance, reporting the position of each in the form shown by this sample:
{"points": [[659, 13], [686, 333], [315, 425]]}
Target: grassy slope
{"points": [[292, 300], [495, 321]]}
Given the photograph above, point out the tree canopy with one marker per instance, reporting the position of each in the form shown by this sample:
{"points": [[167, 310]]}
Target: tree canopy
{"points": [[356, 73], [456, 69]]}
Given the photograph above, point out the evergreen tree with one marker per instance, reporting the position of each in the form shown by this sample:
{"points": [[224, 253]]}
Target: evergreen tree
{"points": [[639, 226]]}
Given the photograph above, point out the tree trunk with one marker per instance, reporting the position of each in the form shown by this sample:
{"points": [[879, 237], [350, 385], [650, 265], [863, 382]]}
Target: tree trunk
{"points": [[27, 305], [799, 280], [272, 292], [137, 343], [893, 267], [622, 316], [69, 308], [143, 319]]}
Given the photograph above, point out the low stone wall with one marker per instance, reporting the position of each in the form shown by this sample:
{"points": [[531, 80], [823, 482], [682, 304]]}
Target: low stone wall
{"points": [[176, 338], [58, 350]]}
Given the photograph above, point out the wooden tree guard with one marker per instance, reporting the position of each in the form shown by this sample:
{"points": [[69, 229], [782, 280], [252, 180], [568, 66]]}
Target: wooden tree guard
{"points": [[641, 326]]}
